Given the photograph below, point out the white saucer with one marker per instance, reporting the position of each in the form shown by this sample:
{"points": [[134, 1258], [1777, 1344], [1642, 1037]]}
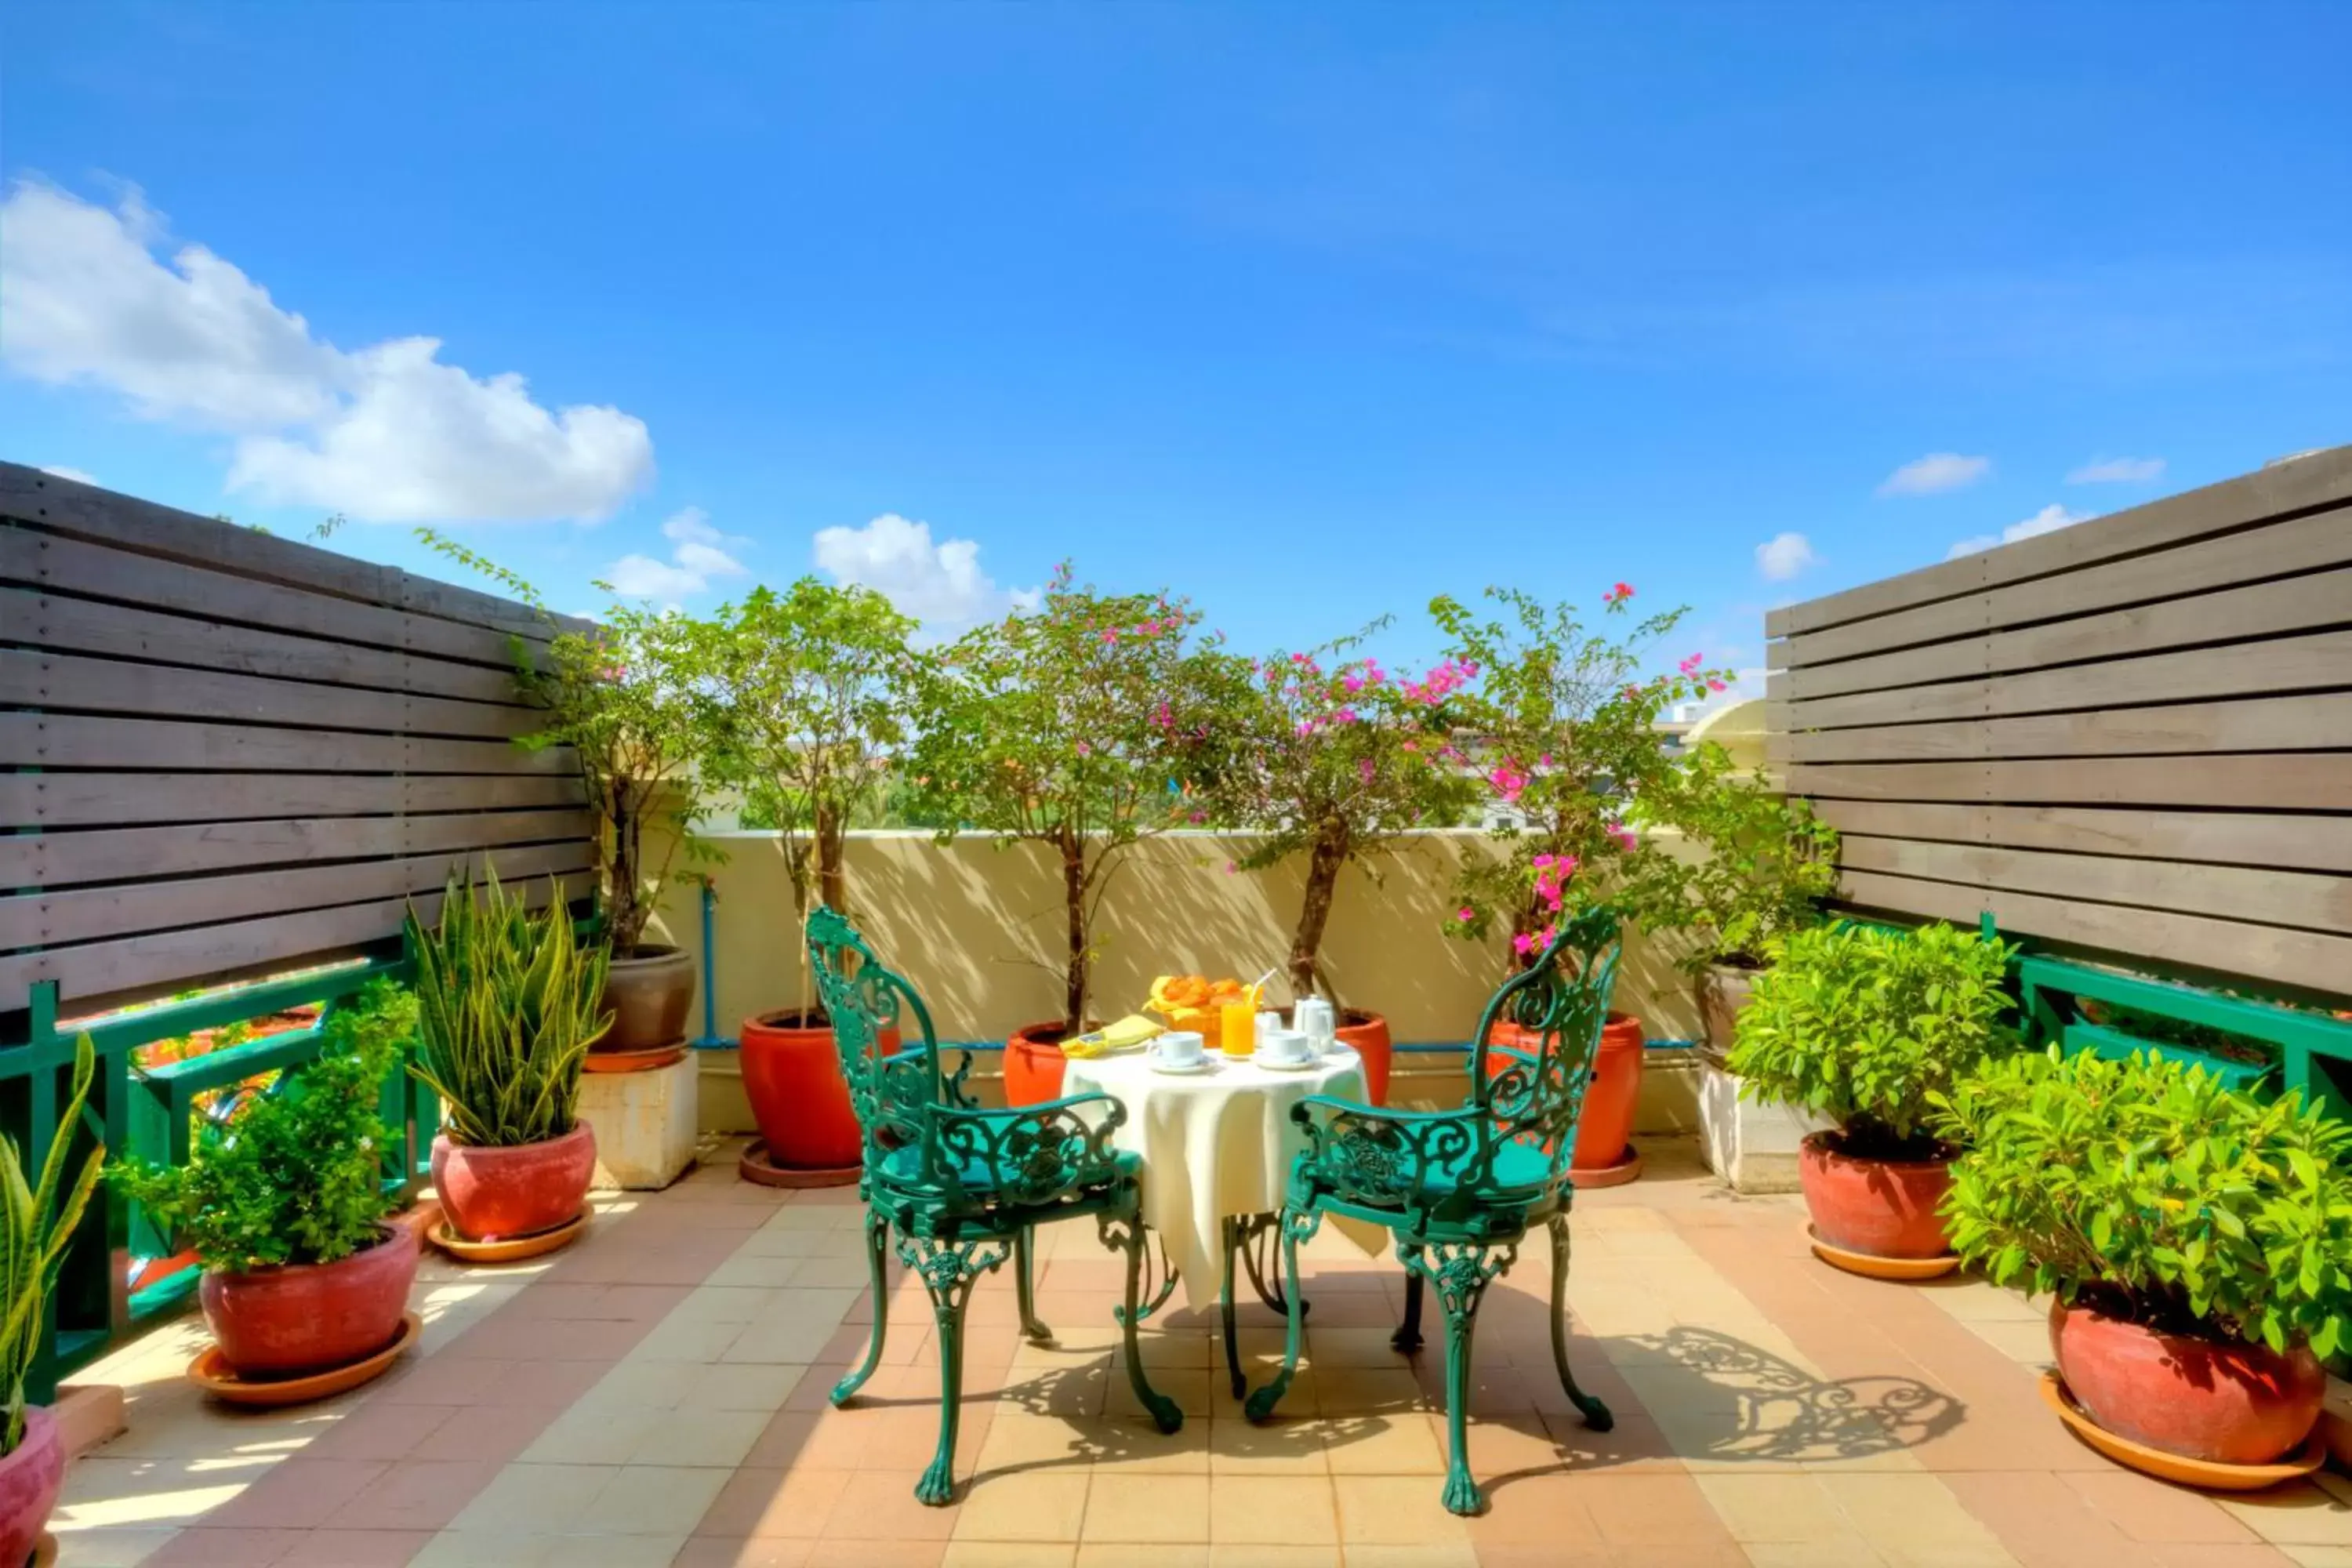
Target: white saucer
{"points": [[1301, 1065], [1203, 1065]]}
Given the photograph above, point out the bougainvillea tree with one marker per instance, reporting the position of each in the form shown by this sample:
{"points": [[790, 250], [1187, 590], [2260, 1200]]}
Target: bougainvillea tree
{"points": [[1561, 726], [1081, 726], [1335, 758]]}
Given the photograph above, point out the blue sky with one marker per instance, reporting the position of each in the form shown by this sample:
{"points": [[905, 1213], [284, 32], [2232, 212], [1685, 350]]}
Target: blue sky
{"points": [[1308, 311]]}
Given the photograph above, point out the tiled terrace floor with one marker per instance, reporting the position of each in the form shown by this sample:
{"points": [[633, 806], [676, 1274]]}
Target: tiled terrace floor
{"points": [[657, 1395]]}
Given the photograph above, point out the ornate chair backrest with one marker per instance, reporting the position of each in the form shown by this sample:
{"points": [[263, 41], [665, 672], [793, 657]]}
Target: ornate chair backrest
{"points": [[1559, 1005], [866, 1001]]}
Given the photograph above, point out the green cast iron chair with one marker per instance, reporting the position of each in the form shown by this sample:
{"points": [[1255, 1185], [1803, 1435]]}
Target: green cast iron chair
{"points": [[1460, 1189], [962, 1186]]}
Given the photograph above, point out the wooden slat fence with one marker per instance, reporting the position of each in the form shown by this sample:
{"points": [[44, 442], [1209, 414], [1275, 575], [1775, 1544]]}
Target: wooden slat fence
{"points": [[2132, 736], [223, 752]]}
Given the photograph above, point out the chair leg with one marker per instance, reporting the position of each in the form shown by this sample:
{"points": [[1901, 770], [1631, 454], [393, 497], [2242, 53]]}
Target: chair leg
{"points": [[947, 1269], [1596, 1414], [1407, 1337], [1296, 1226], [1024, 1283], [1126, 1232], [1225, 1307], [878, 1264], [1461, 1273]]}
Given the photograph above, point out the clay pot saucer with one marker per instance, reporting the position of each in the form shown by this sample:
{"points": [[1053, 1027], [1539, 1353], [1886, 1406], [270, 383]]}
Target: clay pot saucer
{"points": [[211, 1372], [1872, 1267], [2209, 1474], [1627, 1168], [632, 1061], [755, 1165], [506, 1249]]}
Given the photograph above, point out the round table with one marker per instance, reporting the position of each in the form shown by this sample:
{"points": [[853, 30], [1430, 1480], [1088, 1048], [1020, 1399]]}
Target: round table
{"points": [[1216, 1144]]}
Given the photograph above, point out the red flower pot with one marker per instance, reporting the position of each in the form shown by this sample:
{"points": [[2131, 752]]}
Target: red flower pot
{"points": [[1368, 1034], [1884, 1208], [791, 1075], [1604, 1129], [493, 1193], [1033, 1063], [29, 1480], [303, 1318], [2228, 1404]]}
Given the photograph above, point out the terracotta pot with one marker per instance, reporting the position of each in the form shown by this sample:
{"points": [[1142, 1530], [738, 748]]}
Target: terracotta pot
{"points": [[1886, 1209], [648, 993], [1724, 992], [492, 1194], [1605, 1127], [1033, 1063], [2228, 1404], [29, 1480], [1369, 1033], [791, 1075], [304, 1318]]}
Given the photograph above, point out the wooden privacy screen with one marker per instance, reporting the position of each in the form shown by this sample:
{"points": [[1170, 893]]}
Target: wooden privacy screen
{"points": [[222, 753], [2133, 735]]}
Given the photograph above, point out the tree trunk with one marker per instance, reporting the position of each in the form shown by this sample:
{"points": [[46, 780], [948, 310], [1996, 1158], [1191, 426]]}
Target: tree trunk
{"points": [[832, 880], [623, 923], [1323, 867], [1074, 896]]}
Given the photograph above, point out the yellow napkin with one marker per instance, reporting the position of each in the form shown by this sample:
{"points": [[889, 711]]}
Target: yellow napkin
{"points": [[1126, 1033]]}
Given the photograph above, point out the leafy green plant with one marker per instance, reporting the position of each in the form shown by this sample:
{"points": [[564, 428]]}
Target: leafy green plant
{"points": [[1767, 859], [1865, 1026], [296, 1174], [1562, 726], [2149, 1190], [37, 1223], [1079, 726], [507, 1008], [1333, 762]]}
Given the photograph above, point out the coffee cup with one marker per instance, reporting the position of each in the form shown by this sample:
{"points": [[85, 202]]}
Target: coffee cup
{"points": [[1180, 1048], [1287, 1046]]}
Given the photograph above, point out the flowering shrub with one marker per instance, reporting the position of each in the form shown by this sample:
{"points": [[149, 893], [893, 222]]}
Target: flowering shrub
{"points": [[1334, 761], [1561, 727], [1084, 726]]}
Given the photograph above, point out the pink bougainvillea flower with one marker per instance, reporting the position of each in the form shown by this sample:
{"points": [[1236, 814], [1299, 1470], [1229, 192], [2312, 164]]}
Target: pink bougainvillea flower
{"points": [[1110, 635], [1627, 839], [1713, 684], [1086, 750], [1545, 761], [1466, 913], [1523, 944], [1692, 663], [1622, 592], [1231, 868], [1198, 818]]}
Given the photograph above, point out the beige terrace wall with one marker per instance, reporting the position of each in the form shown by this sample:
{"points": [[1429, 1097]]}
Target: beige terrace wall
{"points": [[976, 925]]}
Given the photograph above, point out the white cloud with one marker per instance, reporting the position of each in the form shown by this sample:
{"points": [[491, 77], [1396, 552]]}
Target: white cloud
{"points": [[1935, 472], [2118, 471], [2049, 519], [1784, 555], [74, 474], [695, 560], [940, 584], [385, 433]]}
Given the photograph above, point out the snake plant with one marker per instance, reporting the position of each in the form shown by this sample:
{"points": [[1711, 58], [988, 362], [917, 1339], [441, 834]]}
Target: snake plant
{"points": [[35, 1229], [508, 1005]]}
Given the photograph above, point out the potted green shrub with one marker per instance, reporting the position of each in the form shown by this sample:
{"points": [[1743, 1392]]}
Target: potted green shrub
{"points": [[1864, 1025], [36, 1223], [1336, 763], [508, 1005], [1562, 725], [2197, 1242], [1076, 727], [814, 684], [283, 1200]]}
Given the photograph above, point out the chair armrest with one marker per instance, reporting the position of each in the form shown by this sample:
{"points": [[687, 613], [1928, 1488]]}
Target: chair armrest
{"points": [[1030, 1154]]}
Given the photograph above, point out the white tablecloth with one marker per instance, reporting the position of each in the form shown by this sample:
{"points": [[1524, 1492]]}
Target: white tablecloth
{"points": [[1214, 1144]]}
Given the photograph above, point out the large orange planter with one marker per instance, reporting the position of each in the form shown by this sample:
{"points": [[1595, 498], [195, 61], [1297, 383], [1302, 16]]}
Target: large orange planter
{"points": [[2230, 1404], [1033, 1063], [1368, 1034], [1605, 1128], [1881, 1208], [791, 1075], [304, 1318], [493, 1193]]}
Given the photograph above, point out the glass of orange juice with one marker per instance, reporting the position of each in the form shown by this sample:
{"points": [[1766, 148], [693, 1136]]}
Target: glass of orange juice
{"points": [[1237, 1025]]}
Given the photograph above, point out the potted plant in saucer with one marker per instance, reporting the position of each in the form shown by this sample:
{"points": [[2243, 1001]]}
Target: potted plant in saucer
{"points": [[2196, 1243], [284, 1201], [508, 1005], [814, 681], [1078, 727], [1335, 762], [37, 1223], [1866, 1026], [1562, 726]]}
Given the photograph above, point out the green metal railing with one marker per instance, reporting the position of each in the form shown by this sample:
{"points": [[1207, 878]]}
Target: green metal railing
{"points": [[150, 1112]]}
